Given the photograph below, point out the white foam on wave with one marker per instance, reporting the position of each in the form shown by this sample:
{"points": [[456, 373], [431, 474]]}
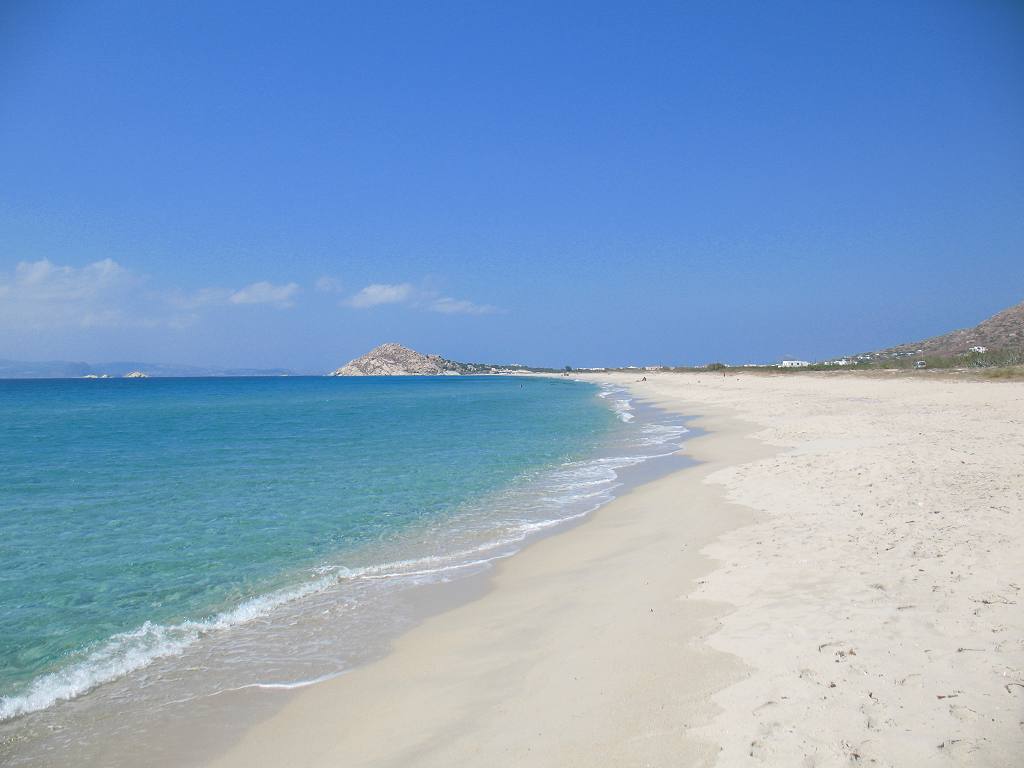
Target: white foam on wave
{"points": [[541, 525], [622, 404], [287, 686], [447, 568], [127, 652], [623, 409]]}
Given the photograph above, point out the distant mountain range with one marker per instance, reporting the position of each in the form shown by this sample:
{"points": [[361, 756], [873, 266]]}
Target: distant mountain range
{"points": [[64, 369], [1001, 332]]}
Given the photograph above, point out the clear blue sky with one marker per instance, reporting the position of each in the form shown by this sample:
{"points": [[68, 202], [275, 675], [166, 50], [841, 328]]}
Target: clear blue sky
{"points": [[561, 183]]}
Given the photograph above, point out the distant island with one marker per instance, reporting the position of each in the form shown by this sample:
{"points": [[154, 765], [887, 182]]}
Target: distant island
{"points": [[66, 369]]}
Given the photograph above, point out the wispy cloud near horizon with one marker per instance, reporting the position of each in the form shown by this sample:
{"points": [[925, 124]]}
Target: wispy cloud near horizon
{"points": [[381, 293], [407, 294], [282, 296], [104, 294], [449, 306], [41, 294]]}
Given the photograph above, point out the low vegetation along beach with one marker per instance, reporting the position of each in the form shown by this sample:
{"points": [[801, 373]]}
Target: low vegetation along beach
{"points": [[838, 582]]}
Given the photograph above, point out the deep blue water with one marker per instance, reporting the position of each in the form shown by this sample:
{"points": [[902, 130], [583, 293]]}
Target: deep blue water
{"points": [[130, 509]]}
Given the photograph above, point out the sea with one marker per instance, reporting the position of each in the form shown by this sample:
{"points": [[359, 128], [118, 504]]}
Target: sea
{"points": [[166, 541]]}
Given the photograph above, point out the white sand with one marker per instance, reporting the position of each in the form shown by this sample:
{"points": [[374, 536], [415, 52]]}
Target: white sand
{"points": [[864, 607]]}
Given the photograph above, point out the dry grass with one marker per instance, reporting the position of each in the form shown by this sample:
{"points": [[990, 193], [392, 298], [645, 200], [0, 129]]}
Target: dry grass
{"points": [[1009, 372], [995, 373]]}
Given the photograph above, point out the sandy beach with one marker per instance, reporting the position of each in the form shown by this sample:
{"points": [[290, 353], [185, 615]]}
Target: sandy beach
{"points": [[512, 385], [837, 582]]}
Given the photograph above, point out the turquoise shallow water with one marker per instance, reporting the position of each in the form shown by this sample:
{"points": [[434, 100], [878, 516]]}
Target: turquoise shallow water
{"points": [[134, 511]]}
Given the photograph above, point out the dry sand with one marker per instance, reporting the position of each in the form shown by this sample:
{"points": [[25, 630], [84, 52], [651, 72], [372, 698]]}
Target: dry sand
{"points": [[838, 583]]}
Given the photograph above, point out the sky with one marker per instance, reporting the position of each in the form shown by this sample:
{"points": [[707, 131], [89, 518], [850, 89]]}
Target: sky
{"points": [[289, 184]]}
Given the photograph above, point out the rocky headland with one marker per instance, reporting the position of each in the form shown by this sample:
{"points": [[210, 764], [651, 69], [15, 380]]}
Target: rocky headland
{"points": [[395, 360]]}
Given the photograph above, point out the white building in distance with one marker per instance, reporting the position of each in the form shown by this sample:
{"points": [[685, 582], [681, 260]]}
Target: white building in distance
{"points": [[794, 364]]}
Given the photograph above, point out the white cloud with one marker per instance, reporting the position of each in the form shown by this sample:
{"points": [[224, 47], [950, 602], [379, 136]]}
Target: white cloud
{"points": [[39, 295], [411, 296], [42, 294], [450, 306], [45, 280], [263, 292], [328, 284], [266, 293], [382, 293]]}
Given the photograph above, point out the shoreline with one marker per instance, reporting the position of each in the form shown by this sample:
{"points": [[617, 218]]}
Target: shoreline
{"points": [[214, 721], [837, 581], [447, 713]]}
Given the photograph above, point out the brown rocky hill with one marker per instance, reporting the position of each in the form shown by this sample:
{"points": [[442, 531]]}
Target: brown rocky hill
{"points": [[1004, 331], [396, 360]]}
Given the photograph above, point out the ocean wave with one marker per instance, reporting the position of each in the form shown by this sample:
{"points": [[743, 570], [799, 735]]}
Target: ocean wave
{"points": [[126, 652], [623, 408], [622, 405], [287, 686]]}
